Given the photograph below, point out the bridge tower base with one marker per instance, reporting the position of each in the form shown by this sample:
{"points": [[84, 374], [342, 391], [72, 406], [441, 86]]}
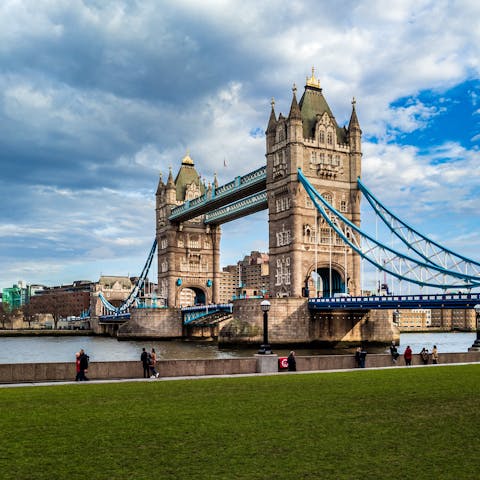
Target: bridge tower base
{"points": [[291, 323]]}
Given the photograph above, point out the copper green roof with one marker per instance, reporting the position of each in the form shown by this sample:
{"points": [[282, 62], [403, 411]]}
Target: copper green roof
{"points": [[313, 103], [186, 176]]}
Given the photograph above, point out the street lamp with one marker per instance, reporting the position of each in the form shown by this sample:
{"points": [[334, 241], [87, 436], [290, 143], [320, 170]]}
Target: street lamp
{"points": [[265, 347], [476, 343]]}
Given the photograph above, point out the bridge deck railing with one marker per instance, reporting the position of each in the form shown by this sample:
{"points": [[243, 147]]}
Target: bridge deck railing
{"points": [[444, 300], [217, 193]]}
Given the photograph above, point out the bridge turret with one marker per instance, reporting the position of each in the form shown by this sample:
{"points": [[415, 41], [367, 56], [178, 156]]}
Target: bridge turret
{"points": [[295, 125], [171, 192], [271, 128]]}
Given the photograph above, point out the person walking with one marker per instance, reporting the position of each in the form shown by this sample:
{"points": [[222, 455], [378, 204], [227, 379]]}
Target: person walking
{"points": [[358, 352], [292, 362], [145, 363], [363, 357], [407, 355], [84, 358], [153, 362], [434, 355], [394, 352], [424, 355], [77, 366]]}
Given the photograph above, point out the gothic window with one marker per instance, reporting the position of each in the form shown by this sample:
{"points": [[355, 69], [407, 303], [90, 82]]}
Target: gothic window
{"points": [[194, 242], [192, 191], [164, 266], [282, 204], [180, 242], [321, 136], [313, 157], [284, 237], [329, 138], [206, 243], [308, 202], [343, 206], [336, 160], [328, 197], [282, 273], [325, 236], [329, 159], [163, 243], [322, 158]]}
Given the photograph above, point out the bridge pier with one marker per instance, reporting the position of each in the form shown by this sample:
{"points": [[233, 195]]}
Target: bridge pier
{"points": [[291, 323]]}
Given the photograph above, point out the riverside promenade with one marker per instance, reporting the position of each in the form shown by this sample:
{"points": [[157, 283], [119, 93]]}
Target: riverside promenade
{"points": [[41, 373]]}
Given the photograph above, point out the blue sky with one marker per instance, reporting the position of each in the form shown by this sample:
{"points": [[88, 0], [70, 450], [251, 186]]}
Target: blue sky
{"points": [[98, 97]]}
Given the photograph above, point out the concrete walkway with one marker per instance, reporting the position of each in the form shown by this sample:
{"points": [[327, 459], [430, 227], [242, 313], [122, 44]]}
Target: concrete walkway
{"points": [[202, 377]]}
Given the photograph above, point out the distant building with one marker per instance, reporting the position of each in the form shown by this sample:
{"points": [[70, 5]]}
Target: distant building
{"points": [[15, 297], [248, 278], [63, 300], [415, 319]]}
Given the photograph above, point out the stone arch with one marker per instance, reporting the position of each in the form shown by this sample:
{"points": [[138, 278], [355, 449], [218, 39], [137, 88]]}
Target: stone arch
{"points": [[319, 285], [190, 295]]}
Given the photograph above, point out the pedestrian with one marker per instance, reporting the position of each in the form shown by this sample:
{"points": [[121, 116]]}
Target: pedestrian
{"points": [[394, 352], [292, 362], [358, 351], [77, 366], [363, 357], [145, 363], [434, 355], [84, 358], [407, 355], [153, 362], [424, 355]]}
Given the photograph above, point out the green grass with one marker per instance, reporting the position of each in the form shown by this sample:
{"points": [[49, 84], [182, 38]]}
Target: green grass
{"points": [[397, 423]]}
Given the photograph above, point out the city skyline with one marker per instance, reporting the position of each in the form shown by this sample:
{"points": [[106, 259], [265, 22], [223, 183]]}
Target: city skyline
{"points": [[97, 100]]}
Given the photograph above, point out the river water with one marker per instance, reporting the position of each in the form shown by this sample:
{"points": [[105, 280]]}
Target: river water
{"points": [[102, 349]]}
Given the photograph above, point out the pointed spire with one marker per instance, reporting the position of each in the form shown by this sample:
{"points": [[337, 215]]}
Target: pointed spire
{"points": [[170, 182], [215, 180], [272, 122], [295, 113], [160, 184], [354, 123]]}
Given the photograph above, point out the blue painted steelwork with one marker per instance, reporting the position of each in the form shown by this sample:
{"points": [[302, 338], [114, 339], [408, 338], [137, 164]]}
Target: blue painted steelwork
{"points": [[218, 196], [399, 265], [115, 318], [247, 205], [191, 314], [127, 303], [423, 246], [404, 302]]}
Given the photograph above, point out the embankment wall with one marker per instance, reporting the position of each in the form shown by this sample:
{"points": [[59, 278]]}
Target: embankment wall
{"points": [[47, 372]]}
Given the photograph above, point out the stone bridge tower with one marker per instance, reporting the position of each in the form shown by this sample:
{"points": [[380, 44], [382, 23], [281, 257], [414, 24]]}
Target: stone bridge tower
{"points": [[300, 242], [188, 252]]}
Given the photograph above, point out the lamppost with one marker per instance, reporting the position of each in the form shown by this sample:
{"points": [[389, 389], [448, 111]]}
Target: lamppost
{"points": [[265, 347], [476, 343]]}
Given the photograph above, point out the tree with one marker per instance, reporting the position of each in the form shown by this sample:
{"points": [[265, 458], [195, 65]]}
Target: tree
{"points": [[29, 313]]}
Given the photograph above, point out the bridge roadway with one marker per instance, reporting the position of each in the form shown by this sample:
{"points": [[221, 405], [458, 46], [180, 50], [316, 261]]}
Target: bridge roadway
{"points": [[374, 302], [238, 189], [404, 302]]}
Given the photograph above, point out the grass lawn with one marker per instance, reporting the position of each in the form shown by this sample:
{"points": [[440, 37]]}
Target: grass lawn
{"points": [[403, 423]]}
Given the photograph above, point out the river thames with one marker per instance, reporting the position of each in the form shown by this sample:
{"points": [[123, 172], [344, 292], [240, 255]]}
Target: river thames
{"points": [[102, 349]]}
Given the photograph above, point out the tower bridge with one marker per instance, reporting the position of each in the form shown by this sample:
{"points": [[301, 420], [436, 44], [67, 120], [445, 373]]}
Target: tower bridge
{"points": [[310, 185]]}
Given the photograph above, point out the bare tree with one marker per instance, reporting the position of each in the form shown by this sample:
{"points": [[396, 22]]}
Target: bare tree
{"points": [[29, 314]]}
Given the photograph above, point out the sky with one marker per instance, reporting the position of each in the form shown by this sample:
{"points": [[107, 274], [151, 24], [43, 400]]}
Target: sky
{"points": [[98, 97]]}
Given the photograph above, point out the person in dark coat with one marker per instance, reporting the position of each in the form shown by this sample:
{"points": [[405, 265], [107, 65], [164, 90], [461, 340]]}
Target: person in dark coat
{"points": [[145, 363], [358, 351], [407, 355], [394, 352], [292, 362], [83, 365], [363, 357]]}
